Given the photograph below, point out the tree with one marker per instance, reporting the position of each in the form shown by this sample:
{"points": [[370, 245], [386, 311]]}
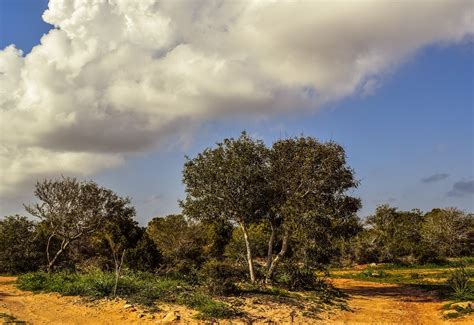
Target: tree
{"points": [[19, 245], [71, 210], [448, 230], [228, 183], [310, 207], [179, 241], [394, 233]]}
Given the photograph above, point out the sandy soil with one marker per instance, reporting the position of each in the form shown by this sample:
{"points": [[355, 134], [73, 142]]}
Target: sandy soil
{"points": [[371, 303], [380, 303]]}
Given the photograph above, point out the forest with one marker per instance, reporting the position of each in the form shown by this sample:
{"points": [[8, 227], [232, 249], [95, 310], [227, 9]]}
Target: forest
{"points": [[255, 218]]}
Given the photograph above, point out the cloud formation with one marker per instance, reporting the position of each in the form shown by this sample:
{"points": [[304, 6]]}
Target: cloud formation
{"points": [[117, 77], [435, 178], [462, 188]]}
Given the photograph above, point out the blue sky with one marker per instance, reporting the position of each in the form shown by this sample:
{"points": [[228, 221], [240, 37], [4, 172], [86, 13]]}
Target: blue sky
{"points": [[417, 123]]}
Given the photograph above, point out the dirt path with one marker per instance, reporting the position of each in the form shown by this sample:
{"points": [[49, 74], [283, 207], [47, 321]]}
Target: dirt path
{"points": [[371, 303], [380, 303]]}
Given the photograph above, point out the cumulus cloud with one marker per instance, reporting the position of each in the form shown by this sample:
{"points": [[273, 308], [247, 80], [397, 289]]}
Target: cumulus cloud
{"points": [[462, 188], [117, 77], [434, 178]]}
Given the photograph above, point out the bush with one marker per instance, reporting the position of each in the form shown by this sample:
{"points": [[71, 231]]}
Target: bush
{"points": [[207, 307], [297, 278], [458, 281], [219, 277]]}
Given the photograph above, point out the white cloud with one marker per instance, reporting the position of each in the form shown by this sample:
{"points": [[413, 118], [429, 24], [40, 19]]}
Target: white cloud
{"points": [[119, 76]]}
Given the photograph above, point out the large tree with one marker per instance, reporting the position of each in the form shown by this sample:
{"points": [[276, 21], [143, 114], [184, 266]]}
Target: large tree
{"points": [[71, 209], [228, 182], [310, 205]]}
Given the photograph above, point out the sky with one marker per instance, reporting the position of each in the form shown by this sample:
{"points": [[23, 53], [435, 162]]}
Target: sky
{"points": [[120, 91]]}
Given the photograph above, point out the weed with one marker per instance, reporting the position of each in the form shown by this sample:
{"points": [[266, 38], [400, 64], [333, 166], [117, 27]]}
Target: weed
{"points": [[459, 283]]}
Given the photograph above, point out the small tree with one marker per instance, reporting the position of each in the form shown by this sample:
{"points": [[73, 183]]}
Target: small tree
{"points": [[70, 209], [228, 183]]}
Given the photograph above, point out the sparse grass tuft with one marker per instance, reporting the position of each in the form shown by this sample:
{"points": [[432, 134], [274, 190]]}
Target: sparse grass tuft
{"points": [[459, 282]]}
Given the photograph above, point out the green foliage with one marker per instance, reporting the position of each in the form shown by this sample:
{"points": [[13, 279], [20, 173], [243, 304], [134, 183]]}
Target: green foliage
{"points": [[145, 256], [208, 308], [459, 282], [220, 277], [181, 243], [73, 210], [295, 278], [409, 237], [448, 232], [139, 288], [21, 248], [258, 232]]}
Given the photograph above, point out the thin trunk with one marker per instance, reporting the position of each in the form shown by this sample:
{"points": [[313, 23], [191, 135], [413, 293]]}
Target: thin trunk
{"points": [[47, 251], [118, 269], [64, 245], [284, 248], [249, 252], [271, 242]]}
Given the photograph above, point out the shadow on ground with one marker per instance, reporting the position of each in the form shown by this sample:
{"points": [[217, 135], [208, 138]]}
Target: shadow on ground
{"points": [[402, 293]]}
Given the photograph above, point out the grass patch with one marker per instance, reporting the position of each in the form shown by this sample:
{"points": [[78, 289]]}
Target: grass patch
{"points": [[138, 288], [9, 319], [456, 310]]}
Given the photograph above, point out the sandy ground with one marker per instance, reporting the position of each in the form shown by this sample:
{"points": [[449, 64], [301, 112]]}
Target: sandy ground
{"points": [[380, 303], [371, 303]]}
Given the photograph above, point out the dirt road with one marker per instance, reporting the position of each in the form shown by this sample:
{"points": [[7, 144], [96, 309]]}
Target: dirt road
{"points": [[371, 303], [380, 303]]}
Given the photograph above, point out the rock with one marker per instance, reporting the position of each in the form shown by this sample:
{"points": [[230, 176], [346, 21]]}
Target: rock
{"points": [[141, 315], [171, 316]]}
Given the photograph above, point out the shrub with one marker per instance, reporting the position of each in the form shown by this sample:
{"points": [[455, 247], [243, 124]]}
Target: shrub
{"points": [[207, 307], [219, 277], [297, 278], [371, 273], [458, 281]]}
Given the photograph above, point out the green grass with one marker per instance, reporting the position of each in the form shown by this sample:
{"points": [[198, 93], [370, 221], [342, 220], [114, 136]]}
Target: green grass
{"points": [[138, 288]]}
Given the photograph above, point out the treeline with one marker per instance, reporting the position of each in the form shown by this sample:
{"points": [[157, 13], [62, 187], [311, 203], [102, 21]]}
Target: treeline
{"points": [[408, 237], [251, 213]]}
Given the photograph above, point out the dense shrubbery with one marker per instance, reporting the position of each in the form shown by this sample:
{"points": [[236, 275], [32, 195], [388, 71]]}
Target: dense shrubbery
{"points": [[408, 237]]}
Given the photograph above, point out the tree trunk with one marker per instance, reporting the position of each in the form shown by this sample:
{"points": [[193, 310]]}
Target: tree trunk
{"points": [[249, 252], [64, 245], [118, 268], [274, 262], [271, 242]]}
